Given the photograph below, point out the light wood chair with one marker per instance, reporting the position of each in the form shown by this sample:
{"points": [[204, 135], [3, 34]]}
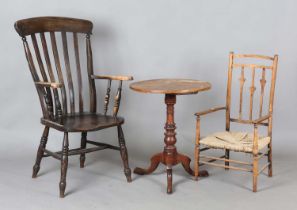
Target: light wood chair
{"points": [[62, 92], [246, 142]]}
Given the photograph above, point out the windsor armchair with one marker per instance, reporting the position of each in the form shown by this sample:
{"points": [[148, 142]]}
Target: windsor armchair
{"points": [[251, 143], [61, 92]]}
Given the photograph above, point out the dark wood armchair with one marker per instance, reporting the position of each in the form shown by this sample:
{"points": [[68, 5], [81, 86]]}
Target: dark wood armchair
{"points": [[255, 114], [61, 92]]}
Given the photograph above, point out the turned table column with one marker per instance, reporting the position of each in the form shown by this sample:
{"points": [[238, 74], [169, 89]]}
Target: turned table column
{"points": [[170, 153]]}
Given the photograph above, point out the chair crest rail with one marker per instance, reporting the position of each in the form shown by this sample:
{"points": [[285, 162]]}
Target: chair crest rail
{"points": [[45, 24], [253, 56]]}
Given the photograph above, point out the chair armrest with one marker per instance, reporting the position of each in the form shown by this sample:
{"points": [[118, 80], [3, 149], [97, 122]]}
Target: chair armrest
{"points": [[210, 111], [261, 119], [49, 84], [112, 77]]}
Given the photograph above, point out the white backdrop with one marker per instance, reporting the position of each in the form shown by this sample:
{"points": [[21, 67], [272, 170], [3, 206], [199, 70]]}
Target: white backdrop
{"points": [[154, 39]]}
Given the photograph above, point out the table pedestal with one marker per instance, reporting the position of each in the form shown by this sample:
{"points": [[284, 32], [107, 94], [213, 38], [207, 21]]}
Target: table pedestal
{"points": [[169, 156]]}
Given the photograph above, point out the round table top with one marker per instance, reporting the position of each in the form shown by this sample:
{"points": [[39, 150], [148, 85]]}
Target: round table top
{"points": [[170, 86]]}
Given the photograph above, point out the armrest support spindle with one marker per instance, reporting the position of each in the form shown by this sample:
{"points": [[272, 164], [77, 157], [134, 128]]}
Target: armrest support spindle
{"points": [[117, 99], [54, 86], [107, 96]]}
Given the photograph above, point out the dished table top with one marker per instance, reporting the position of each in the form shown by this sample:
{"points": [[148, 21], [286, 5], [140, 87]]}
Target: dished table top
{"points": [[171, 86]]}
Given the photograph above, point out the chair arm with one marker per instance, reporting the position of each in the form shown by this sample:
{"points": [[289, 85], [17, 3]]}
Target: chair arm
{"points": [[111, 77], [210, 111], [49, 84], [261, 119]]}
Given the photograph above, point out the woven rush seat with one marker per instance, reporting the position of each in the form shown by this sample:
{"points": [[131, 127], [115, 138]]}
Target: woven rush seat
{"points": [[235, 141]]}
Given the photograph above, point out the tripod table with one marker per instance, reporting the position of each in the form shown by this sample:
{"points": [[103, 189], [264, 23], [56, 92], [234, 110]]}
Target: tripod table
{"points": [[171, 88]]}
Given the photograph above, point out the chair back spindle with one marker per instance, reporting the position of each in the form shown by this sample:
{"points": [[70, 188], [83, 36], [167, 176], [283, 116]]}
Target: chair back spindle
{"points": [[107, 96], [59, 70], [252, 92], [117, 100], [78, 71], [68, 71], [263, 83], [93, 104], [242, 80]]}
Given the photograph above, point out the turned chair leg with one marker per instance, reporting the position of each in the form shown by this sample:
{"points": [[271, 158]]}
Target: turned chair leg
{"points": [[83, 145], [270, 160], [197, 149], [40, 152], [124, 153], [255, 172], [196, 162], [227, 156], [64, 165]]}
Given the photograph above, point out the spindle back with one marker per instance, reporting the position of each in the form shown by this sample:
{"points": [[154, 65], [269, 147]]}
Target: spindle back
{"points": [[45, 33], [238, 62]]}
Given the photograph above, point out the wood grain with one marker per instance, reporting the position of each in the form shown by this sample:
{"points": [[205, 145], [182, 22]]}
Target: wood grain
{"points": [[253, 56], [113, 77], [47, 24], [210, 111], [59, 70], [78, 72], [92, 88], [68, 72], [170, 157], [171, 86], [242, 80]]}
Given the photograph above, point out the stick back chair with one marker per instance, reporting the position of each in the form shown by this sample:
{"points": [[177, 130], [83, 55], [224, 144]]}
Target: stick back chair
{"points": [[251, 143], [61, 92]]}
